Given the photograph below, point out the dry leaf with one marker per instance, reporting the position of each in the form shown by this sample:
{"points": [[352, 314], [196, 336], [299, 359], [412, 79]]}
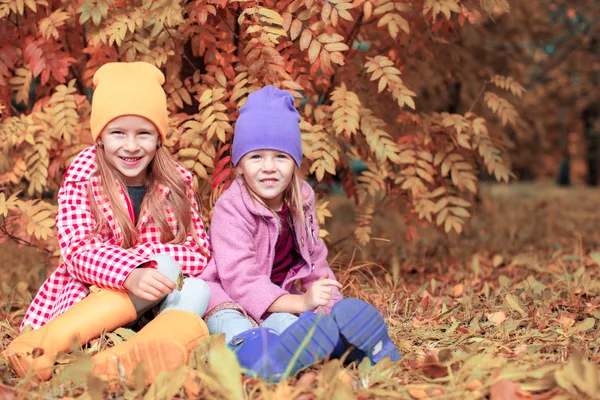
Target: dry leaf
{"points": [[458, 290], [474, 385], [418, 393], [432, 367], [497, 318]]}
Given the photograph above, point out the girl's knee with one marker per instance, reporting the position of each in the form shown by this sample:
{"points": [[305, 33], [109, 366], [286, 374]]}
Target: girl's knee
{"points": [[167, 265], [193, 297], [230, 322], [279, 322], [195, 287]]}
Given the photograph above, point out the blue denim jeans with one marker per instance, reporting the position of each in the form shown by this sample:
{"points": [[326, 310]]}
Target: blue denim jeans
{"points": [[193, 296], [233, 322]]}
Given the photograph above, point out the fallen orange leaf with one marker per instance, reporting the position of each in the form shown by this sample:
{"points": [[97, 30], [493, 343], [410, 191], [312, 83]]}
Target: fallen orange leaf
{"points": [[458, 290], [418, 393], [432, 367], [474, 385], [497, 318]]}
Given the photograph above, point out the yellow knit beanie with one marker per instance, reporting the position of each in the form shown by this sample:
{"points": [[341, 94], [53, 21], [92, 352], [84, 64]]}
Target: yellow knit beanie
{"points": [[123, 88]]}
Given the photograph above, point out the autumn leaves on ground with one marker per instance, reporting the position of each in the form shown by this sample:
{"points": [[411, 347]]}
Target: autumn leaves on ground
{"points": [[508, 310]]}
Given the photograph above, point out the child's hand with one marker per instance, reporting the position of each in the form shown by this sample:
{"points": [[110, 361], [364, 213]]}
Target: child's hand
{"points": [[148, 284], [319, 293]]}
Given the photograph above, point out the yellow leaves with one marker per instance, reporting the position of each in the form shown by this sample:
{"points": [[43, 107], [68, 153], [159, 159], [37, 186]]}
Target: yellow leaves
{"points": [[491, 154], [212, 117], [198, 152], [513, 303], [313, 51], [370, 182], [391, 17], [320, 148], [380, 142], [63, 110], [346, 111], [269, 23], [450, 210], [327, 47], [461, 125], [382, 68], [177, 92], [495, 6], [264, 59], [460, 171], [364, 218], [508, 84], [49, 26], [295, 29], [305, 39], [196, 160], [340, 9], [505, 111], [6, 205], [18, 6], [330, 38], [579, 377], [446, 7], [38, 218], [497, 318], [96, 10], [321, 213], [21, 84]]}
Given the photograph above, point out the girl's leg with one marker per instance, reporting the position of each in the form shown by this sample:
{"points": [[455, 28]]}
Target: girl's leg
{"points": [[166, 266], [166, 341], [303, 341], [362, 326], [102, 310], [230, 322], [279, 322], [193, 297]]}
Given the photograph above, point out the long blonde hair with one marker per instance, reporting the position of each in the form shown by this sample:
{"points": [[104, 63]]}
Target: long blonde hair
{"points": [[292, 197], [161, 170]]}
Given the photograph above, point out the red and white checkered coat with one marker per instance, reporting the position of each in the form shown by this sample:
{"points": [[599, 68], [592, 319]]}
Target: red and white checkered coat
{"points": [[99, 259]]}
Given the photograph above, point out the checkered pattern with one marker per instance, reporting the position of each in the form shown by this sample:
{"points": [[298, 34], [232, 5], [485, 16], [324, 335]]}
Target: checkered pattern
{"points": [[98, 259]]}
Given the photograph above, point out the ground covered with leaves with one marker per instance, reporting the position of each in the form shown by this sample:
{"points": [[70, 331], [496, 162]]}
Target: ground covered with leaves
{"points": [[508, 310]]}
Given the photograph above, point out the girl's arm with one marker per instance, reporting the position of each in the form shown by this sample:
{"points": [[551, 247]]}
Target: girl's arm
{"points": [[87, 257], [318, 294], [193, 257], [319, 259], [240, 273]]}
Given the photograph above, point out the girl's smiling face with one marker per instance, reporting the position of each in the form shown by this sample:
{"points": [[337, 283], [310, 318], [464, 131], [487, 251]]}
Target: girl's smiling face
{"points": [[130, 143], [268, 174]]}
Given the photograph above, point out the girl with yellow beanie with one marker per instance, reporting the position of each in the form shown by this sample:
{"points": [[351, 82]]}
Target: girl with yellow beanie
{"points": [[128, 226]]}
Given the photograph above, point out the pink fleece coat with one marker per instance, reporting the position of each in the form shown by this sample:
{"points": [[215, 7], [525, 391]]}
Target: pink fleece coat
{"points": [[99, 259], [243, 234]]}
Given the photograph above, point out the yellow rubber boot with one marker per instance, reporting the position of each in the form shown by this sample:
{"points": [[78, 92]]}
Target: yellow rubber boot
{"points": [[102, 310], [162, 345]]}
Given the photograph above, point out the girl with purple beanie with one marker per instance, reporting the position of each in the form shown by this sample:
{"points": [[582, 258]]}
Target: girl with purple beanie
{"points": [[273, 294]]}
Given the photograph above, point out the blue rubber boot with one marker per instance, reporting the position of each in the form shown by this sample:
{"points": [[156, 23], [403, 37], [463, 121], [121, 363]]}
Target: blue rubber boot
{"points": [[341, 349], [264, 354], [362, 326]]}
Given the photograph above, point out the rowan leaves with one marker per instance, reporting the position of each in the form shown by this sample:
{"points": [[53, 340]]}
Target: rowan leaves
{"points": [[21, 84], [506, 112], [384, 70], [49, 25], [343, 61], [390, 13], [345, 111], [320, 148]]}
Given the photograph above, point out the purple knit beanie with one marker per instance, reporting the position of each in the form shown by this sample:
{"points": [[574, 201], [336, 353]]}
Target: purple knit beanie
{"points": [[268, 121]]}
